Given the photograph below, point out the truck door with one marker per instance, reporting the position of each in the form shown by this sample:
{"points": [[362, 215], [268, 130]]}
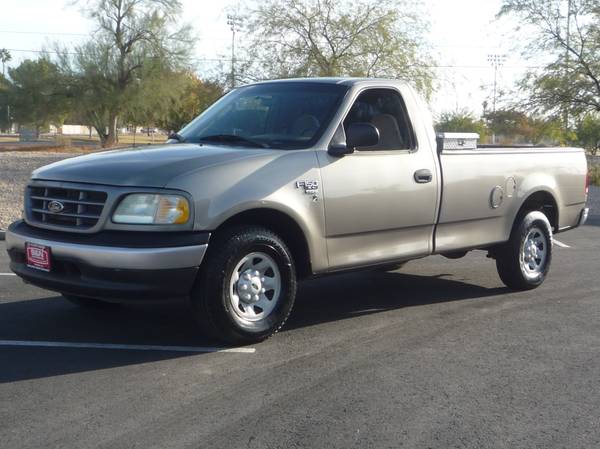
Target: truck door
{"points": [[380, 201]]}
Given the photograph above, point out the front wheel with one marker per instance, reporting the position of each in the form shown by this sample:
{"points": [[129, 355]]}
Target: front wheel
{"points": [[247, 286], [524, 261]]}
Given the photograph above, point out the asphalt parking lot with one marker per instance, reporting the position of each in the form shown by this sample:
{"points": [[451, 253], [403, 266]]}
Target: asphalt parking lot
{"points": [[436, 355]]}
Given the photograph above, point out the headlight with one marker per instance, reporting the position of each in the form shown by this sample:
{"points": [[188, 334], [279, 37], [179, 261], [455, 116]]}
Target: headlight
{"points": [[143, 208]]}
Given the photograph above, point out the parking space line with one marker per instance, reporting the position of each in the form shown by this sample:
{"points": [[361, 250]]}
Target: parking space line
{"points": [[80, 345], [7, 274], [560, 244]]}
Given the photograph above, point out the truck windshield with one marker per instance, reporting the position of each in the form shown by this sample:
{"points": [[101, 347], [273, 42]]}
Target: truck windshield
{"points": [[282, 115]]}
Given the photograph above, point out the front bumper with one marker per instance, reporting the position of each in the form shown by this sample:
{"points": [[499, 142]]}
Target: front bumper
{"points": [[111, 265]]}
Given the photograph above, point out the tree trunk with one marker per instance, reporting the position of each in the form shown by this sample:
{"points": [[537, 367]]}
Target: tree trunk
{"points": [[112, 137]]}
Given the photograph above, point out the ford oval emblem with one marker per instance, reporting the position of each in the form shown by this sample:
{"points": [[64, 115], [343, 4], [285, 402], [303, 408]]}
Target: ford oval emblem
{"points": [[56, 207]]}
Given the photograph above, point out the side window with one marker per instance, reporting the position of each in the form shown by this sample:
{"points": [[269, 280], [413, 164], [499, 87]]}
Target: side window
{"points": [[384, 109]]}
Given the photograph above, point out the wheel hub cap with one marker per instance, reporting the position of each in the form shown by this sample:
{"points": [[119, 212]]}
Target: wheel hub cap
{"points": [[254, 287], [250, 286], [534, 253]]}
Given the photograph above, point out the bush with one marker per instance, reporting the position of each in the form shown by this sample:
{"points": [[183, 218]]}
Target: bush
{"points": [[594, 174]]}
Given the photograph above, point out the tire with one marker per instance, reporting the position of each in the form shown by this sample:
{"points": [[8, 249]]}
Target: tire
{"points": [[229, 274], [89, 303], [524, 261]]}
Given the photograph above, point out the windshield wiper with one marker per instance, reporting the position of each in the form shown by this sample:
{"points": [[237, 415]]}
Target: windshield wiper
{"points": [[232, 138], [176, 136]]}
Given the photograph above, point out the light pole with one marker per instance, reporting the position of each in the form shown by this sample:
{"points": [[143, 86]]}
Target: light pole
{"points": [[234, 23], [496, 60]]}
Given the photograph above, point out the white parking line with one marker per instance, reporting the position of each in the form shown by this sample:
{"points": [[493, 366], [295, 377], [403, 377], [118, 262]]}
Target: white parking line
{"points": [[66, 344], [7, 274], [560, 244]]}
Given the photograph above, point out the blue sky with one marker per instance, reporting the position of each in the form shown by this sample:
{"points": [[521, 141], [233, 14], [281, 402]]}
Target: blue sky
{"points": [[462, 34]]}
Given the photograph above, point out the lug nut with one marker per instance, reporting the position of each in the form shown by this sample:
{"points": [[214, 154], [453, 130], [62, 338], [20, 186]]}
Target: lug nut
{"points": [[256, 297], [244, 287], [262, 290]]}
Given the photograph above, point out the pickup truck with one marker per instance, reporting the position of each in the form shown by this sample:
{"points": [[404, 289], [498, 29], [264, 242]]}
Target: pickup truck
{"points": [[282, 181]]}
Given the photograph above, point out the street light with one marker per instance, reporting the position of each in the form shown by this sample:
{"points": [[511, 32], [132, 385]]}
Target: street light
{"points": [[496, 60], [234, 23]]}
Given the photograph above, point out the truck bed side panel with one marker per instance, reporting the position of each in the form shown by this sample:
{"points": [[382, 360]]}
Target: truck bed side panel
{"points": [[480, 200]]}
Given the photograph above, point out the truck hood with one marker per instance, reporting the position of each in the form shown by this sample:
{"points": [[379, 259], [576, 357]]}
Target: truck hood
{"points": [[151, 167]]}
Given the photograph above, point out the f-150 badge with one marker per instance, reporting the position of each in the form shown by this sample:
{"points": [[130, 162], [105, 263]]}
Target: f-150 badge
{"points": [[310, 187]]}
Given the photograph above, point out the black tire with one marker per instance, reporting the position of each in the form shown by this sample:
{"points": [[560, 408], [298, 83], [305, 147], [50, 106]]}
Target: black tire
{"points": [[212, 299], [510, 262], [89, 303]]}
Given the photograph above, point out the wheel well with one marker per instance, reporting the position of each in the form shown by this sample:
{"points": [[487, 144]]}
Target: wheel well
{"points": [[284, 226], [544, 202]]}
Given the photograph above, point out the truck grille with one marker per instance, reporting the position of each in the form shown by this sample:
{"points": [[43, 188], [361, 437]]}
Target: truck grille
{"points": [[69, 208]]}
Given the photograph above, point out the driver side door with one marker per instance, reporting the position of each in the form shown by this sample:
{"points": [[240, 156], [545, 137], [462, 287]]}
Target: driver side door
{"points": [[376, 211]]}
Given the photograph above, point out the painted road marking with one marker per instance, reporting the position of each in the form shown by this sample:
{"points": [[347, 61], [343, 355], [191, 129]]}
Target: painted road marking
{"points": [[560, 244], [7, 274], [66, 344]]}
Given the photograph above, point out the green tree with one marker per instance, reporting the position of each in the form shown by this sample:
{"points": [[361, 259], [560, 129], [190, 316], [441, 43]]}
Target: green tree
{"points": [[5, 57], [569, 32], [588, 133], [196, 97], [461, 121], [4, 109], [135, 39], [37, 94], [514, 126], [369, 38]]}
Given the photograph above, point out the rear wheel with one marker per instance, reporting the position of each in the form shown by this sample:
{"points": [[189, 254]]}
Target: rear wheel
{"points": [[89, 303], [247, 286], [524, 261]]}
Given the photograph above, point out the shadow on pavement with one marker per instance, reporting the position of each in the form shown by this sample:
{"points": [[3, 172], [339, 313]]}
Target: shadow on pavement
{"points": [[351, 295], [322, 300]]}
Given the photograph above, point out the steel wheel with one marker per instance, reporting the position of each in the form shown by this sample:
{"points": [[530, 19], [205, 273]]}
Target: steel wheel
{"points": [[254, 287], [534, 252], [524, 261]]}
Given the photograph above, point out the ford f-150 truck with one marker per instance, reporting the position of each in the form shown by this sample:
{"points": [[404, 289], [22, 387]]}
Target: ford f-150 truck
{"points": [[282, 181]]}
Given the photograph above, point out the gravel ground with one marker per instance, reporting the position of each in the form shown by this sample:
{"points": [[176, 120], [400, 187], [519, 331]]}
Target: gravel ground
{"points": [[15, 169]]}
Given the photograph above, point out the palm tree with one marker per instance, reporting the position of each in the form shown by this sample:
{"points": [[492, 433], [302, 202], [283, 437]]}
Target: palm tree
{"points": [[5, 56]]}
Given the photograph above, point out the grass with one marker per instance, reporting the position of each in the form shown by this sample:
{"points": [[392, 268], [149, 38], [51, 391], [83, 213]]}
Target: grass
{"points": [[76, 143], [124, 139]]}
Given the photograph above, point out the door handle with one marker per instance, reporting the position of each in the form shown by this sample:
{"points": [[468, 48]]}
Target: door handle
{"points": [[423, 176]]}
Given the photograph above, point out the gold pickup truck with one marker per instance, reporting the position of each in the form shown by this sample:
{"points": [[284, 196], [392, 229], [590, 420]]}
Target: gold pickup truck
{"points": [[281, 181]]}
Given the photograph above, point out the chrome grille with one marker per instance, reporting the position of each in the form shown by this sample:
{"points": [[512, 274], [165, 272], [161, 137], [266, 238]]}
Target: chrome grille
{"points": [[80, 208]]}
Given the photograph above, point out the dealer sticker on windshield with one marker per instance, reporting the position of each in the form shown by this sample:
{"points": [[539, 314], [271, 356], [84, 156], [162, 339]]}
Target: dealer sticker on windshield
{"points": [[38, 256]]}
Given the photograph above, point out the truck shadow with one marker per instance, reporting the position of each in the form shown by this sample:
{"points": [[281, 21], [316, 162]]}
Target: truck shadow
{"points": [[350, 295], [319, 301]]}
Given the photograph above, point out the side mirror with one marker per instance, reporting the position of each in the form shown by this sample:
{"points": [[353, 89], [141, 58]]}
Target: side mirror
{"points": [[357, 135], [361, 135]]}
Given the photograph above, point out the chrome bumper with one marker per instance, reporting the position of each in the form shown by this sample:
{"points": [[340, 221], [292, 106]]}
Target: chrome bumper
{"points": [[583, 216], [115, 257]]}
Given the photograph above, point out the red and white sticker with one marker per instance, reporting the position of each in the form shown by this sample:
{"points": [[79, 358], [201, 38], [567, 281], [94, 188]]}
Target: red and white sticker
{"points": [[38, 256]]}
